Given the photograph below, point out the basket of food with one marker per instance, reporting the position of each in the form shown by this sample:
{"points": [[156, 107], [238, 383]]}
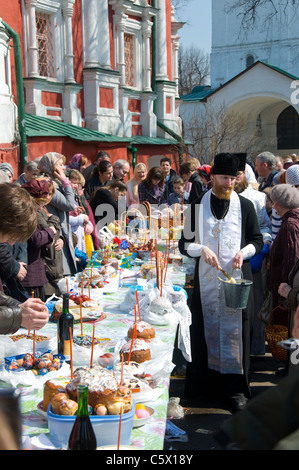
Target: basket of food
{"points": [[274, 333]]}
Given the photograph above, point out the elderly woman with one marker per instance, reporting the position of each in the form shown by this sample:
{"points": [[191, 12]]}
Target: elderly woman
{"points": [[18, 222], [63, 202], [8, 170], [132, 197], [31, 172], [285, 249]]}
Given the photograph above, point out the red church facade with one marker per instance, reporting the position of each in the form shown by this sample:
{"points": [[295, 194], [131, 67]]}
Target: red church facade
{"points": [[89, 75]]}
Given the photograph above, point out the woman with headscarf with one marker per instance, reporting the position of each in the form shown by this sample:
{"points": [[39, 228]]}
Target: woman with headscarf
{"points": [[36, 277], [285, 249], [63, 202], [78, 162], [132, 197], [51, 256], [204, 172]]}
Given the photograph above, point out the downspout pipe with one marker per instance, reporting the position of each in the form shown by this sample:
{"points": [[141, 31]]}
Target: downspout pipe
{"points": [[178, 138], [20, 91], [154, 54]]}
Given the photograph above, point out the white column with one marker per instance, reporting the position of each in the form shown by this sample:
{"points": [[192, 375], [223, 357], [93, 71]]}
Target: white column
{"points": [[175, 44], [67, 10], [175, 66], [104, 34], [4, 40], [91, 46], [146, 35], [32, 45], [120, 27], [161, 42]]}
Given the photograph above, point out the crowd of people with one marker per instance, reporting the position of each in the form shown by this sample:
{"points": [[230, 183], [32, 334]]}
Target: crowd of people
{"points": [[235, 212]]}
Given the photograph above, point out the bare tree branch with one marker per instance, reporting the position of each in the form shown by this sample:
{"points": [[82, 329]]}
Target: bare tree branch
{"points": [[249, 11], [214, 129], [194, 68]]}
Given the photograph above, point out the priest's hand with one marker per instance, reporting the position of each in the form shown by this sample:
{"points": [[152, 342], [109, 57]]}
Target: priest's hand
{"points": [[238, 260], [209, 257]]}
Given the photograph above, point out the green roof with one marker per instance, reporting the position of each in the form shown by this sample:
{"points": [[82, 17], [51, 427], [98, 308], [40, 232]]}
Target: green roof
{"points": [[200, 93], [293, 77], [37, 126]]}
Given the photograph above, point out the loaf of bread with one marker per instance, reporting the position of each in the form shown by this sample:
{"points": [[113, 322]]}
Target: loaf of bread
{"points": [[63, 405]]}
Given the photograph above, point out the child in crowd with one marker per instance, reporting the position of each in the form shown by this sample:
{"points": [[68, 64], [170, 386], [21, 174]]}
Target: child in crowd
{"points": [[179, 192]]}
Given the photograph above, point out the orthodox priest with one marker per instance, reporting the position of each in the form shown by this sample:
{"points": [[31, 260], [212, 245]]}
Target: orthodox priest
{"points": [[221, 230]]}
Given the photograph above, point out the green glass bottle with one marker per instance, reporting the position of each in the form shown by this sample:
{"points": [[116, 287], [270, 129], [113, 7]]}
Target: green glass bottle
{"points": [[82, 436], [65, 322]]}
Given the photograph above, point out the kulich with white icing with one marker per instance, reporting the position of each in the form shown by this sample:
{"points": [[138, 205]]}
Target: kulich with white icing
{"points": [[102, 385], [161, 306], [140, 351], [144, 330]]}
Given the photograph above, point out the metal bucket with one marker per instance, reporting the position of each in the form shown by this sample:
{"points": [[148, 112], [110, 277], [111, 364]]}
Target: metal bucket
{"points": [[236, 295]]}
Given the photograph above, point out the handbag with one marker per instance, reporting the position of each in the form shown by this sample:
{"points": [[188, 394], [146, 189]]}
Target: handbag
{"points": [[266, 309]]}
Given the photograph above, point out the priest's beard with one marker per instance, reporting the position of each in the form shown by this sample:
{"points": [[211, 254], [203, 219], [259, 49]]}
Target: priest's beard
{"points": [[221, 191], [240, 186]]}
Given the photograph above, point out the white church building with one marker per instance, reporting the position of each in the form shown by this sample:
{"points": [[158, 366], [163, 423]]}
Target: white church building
{"points": [[254, 72]]}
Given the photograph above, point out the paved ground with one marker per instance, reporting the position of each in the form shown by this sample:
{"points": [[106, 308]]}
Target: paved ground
{"points": [[200, 422]]}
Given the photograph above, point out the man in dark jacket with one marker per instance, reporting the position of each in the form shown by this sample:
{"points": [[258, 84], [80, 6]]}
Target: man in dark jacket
{"points": [[169, 175], [102, 155], [265, 166]]}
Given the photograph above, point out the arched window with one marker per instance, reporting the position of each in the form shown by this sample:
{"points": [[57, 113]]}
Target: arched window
{"points": [[249, 60], [288, 129]]}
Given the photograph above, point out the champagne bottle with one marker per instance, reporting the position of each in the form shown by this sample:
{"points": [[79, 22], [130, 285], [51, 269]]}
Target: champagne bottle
{"points": [[65, 322], [82, 436]]}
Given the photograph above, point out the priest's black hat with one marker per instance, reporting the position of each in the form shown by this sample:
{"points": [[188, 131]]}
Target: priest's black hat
{"points": [[225, 164], [242, 161]]}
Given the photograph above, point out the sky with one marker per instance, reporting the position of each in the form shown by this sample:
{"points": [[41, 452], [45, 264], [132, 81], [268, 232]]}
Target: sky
{"points": [[197, 30]]}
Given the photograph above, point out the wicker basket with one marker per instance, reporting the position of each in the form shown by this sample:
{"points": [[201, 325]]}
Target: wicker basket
{"points": [[274, 334], [142, 232]]}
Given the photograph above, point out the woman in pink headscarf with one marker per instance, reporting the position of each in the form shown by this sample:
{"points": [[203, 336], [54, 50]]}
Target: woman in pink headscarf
{"points": [[78, 162]]}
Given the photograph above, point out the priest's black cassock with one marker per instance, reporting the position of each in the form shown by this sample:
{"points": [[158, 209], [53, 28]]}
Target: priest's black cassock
{"points": [[201, 380]]}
